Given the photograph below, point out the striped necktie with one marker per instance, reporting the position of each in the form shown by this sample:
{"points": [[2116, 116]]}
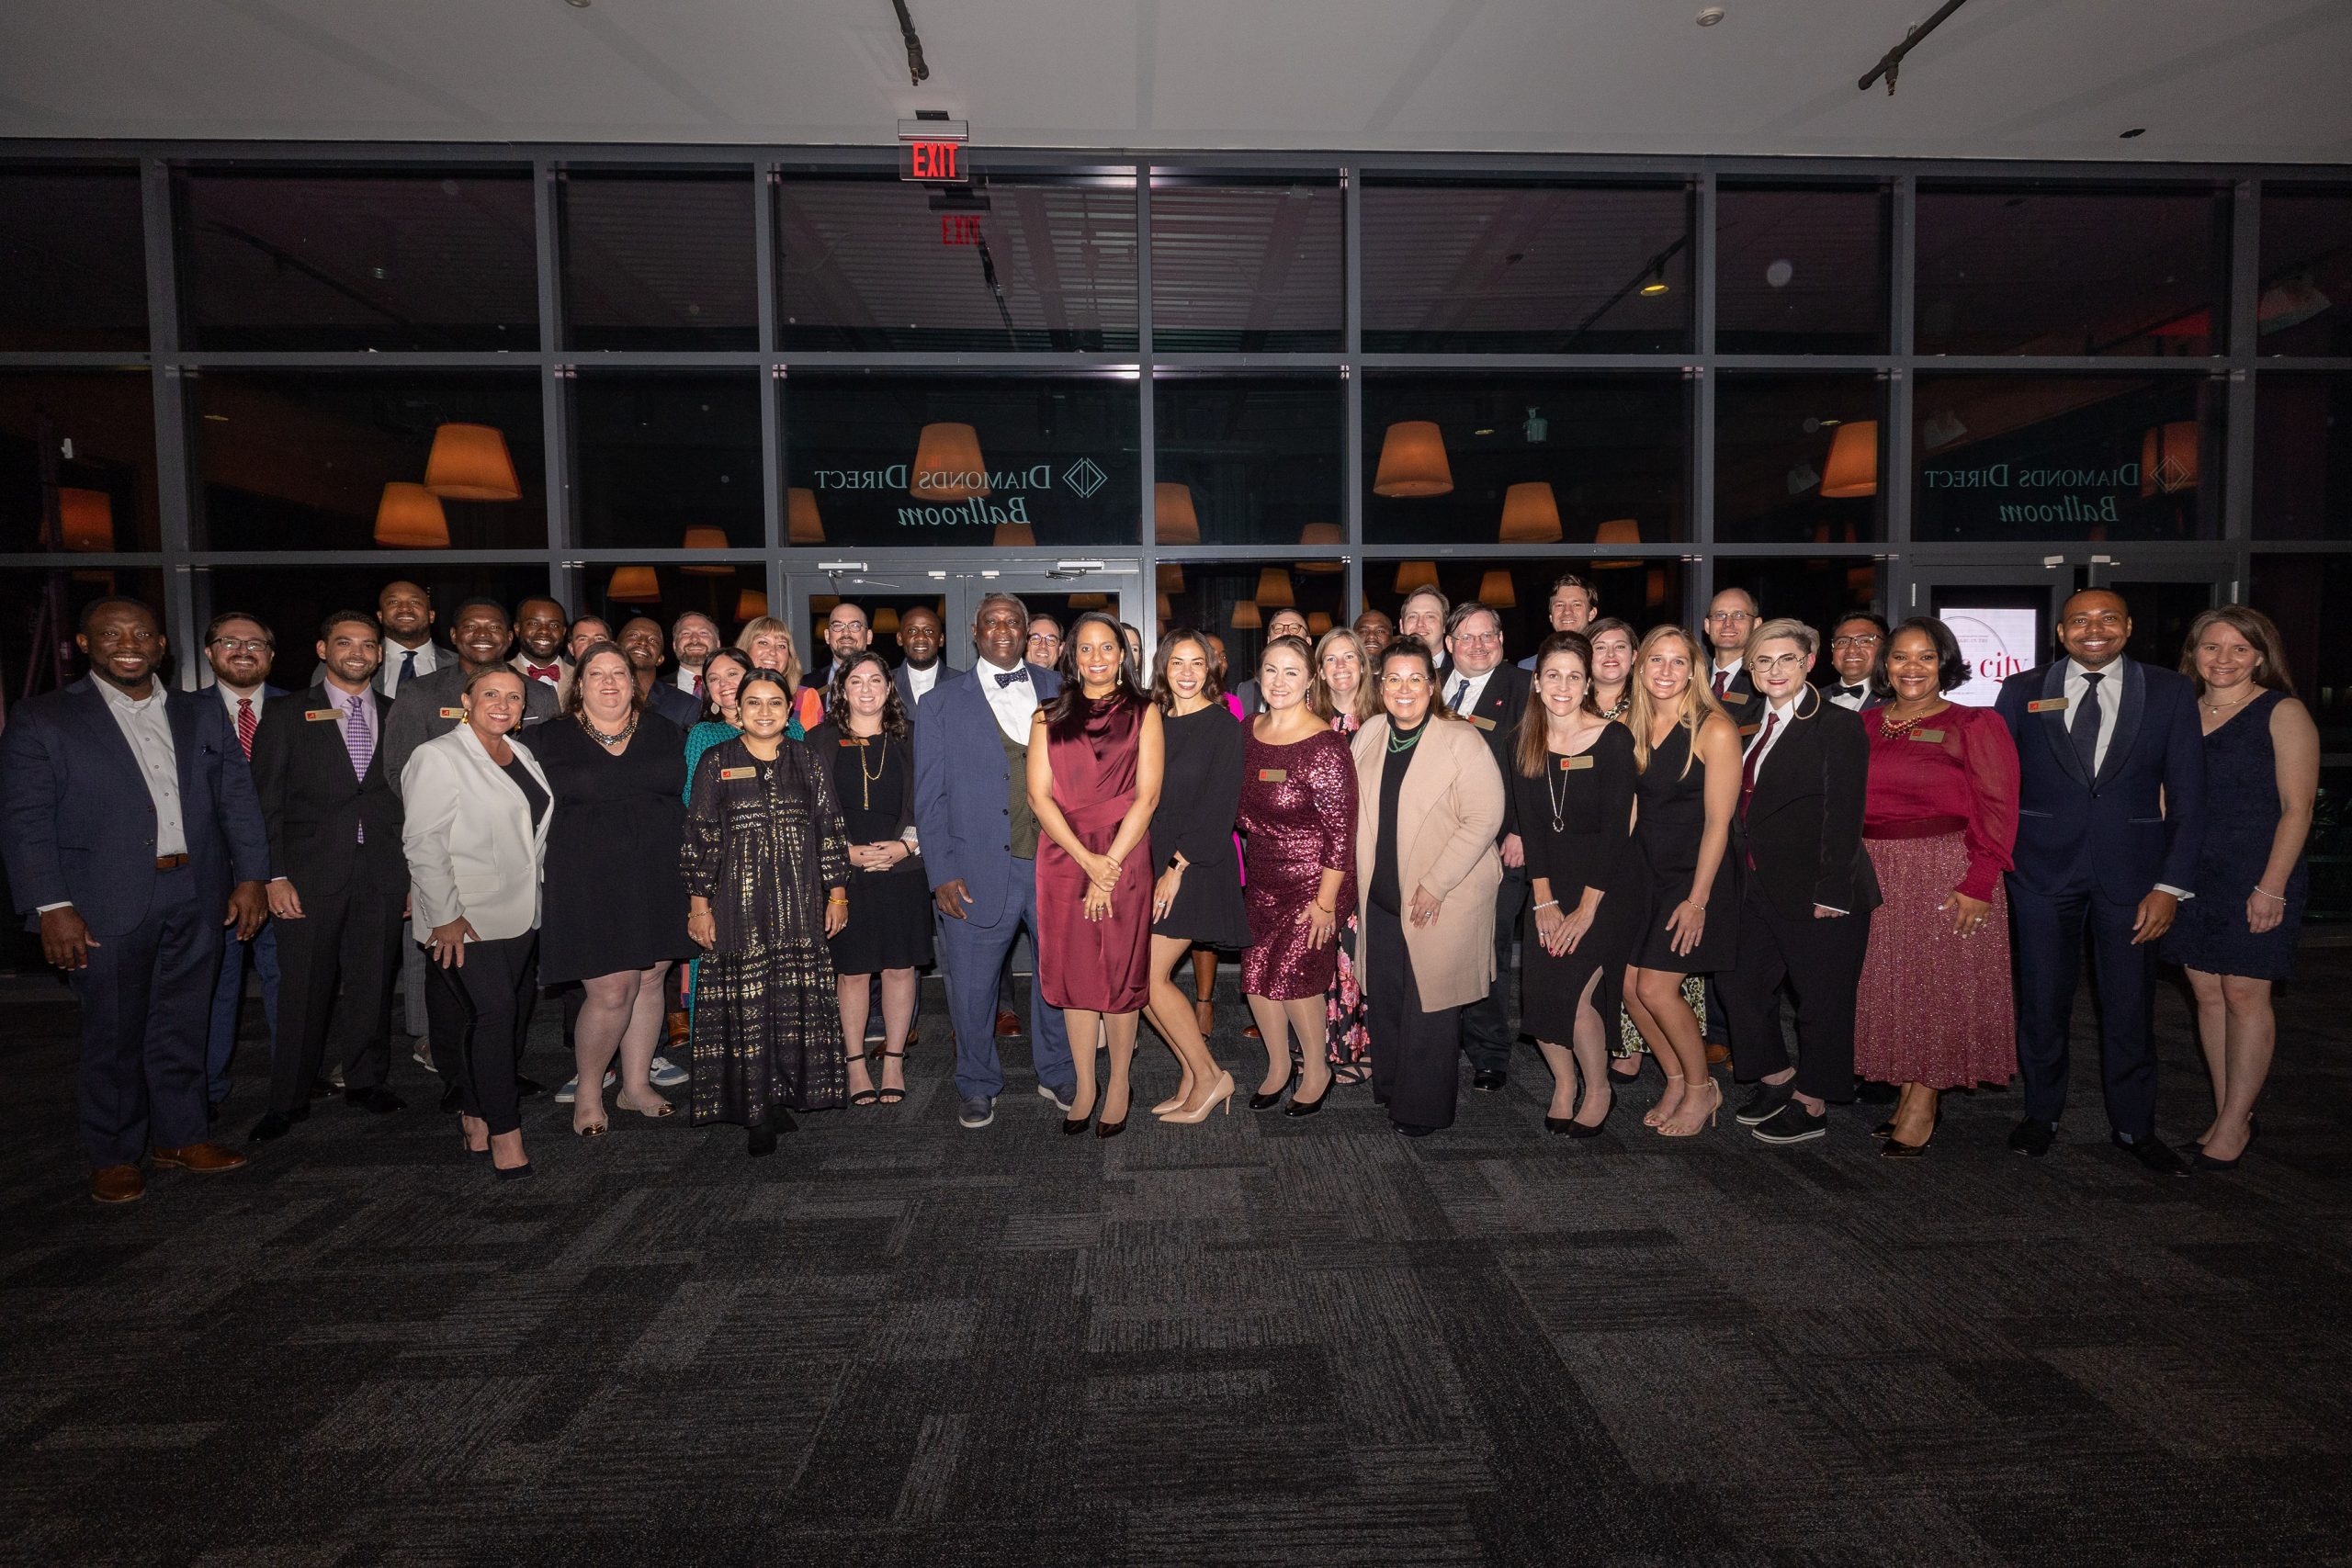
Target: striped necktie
{"points": [[246, 725]]}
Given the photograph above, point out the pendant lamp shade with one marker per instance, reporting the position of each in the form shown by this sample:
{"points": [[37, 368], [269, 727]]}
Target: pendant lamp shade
{"points": [[1321, 536], [1089, 602], [470, 462], [886, 619], [751, 604], [1172, 577], [633, 585], [1415, 575], [1654, 588], [948, 464], [408, 517], [2169, 457], [1013, 536], [801, 523], [1173, 521], [1412, 461], [1852, 468], [1317, 624], [85, 519], [1273, 590], [1495, 590], [1246, 617], [707, 539], [1618, 531], [1166, 607], [1530, 514]]}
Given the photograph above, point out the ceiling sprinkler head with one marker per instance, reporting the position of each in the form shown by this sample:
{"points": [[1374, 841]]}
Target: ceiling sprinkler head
{"points": [[1710, 16]]}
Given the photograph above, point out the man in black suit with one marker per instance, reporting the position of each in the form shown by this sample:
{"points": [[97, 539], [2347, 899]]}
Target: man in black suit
{"points": [[1807, 891], [241, 652], [1857, 644], [334, 845], [921, 636], [128, 825], [405, 612], [1490, 692], [847, 632], [642, 641]]}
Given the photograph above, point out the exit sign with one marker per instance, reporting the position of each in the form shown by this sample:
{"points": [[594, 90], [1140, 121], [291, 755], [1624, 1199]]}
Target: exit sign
{"points": [[932, 151]]}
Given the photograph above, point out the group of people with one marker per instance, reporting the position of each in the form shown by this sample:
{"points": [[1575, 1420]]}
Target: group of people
{"points": [[1625, 845]]}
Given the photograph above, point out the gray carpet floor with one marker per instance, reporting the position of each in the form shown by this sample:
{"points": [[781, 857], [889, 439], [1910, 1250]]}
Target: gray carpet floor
{"points": [[1257, 1341]]}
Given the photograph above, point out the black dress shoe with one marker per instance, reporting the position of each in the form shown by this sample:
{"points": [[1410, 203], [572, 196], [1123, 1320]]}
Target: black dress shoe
{"points": [[449, 1098], [272, 1127], [528, 1086], [320, 1088], [380, 1100], [1488, 1080], [2033, 1136], [1764, 1102], [2154, 1152]]}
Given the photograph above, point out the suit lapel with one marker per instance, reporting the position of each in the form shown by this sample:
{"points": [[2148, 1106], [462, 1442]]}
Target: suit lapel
{"points": [[2053, 724], [181, 718], [2133, 705], [101, 723]]}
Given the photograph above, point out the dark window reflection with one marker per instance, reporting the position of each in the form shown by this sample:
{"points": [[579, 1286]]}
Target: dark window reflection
{"points": [[1011, 263], [1525, 460], [320, 259], [1245, 269], [1801, 270], [1258, 461], [1817, 591], [52, 602], [1799, 458], [948, 462], [340, 459], [885, 598], [2068, 457], [1643, 593], [2306, 271], [2310, 598], [1526, 269], [2302, 456], [729, 594], [106, 489], [1234, 600], [659, 261], [291, 600], [72, 260], [662, 454], [2063, 270]]}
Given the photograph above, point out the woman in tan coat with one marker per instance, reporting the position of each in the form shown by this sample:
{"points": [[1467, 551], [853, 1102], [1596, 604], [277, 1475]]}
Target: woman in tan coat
{"points": [[1428, 809]]}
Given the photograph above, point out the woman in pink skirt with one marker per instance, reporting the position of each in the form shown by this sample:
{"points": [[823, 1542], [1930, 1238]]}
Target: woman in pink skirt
{"points": [[1935, 1008]]}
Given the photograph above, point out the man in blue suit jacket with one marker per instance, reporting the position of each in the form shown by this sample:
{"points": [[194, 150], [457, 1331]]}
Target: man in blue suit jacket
{"points": [[2111, 818], [979, 845], [128, 823]]}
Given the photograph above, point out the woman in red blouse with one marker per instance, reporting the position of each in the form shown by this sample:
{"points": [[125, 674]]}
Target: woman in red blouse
{"points": [[1935, 1011]]}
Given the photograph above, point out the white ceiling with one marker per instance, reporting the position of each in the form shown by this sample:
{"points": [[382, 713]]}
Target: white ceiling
{"points": [[2252, 80]]}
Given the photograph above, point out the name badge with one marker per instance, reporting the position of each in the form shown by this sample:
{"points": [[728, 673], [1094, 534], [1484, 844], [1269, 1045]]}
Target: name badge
{"points": [[321, 716], [2047, 705], [1932, 737], [1735, 696], [458, 714], [1273, 775], [1480, 721], [737, 772], [1574, 765]]}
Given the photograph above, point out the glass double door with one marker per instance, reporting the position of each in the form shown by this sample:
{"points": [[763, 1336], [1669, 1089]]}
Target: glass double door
{"points": [[951, 589]]}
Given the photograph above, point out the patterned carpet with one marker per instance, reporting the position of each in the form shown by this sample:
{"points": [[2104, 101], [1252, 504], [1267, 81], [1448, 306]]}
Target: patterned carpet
{"points": [[1257, 1341]]}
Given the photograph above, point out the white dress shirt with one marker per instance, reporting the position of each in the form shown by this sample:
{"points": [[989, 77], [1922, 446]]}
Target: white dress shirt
{"points": [[1729, 672], [1760, 744], [428, 660], [685, 679], [1474, 687], [147, 726], [1013, 702], [229, 695], [921, 682], [1850, 701]]}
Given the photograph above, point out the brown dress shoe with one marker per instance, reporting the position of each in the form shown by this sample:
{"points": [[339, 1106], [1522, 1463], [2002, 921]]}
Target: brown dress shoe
{"points": [[1717, 1055], [1007, 1025], [675, 1026], [118, 1184], [205, 1159]]}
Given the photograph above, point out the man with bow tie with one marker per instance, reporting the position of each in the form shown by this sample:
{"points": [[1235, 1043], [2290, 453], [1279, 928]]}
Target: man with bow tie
{"points": [[540, 630], [1857, 643]]}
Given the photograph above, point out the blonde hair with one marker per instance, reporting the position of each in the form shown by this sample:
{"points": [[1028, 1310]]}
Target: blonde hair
{"points": [[1367, 698], [1696, 706], [762, 626]]}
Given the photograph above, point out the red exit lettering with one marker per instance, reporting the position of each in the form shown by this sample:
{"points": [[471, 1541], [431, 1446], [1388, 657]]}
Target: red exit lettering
{"points": [[930, 160], [959, 229]]}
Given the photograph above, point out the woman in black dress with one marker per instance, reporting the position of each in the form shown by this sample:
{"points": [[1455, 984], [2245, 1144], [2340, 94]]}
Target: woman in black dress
{"points": [[1687, 752], [615, 915], [1573, 792], [868, 744], [1196, 902]]}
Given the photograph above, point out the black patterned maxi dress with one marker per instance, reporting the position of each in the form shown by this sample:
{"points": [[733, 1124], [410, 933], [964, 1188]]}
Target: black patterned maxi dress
{"points": [[764, 841]]}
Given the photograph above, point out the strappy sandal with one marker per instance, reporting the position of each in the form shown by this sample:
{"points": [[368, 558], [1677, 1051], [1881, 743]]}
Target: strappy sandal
{"points": [[891, 1096], [1347, 1075], [1652, 1118]]}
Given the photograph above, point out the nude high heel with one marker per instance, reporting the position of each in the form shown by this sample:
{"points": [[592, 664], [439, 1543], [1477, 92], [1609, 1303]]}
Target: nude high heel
{"points": [[1222, 1094]]}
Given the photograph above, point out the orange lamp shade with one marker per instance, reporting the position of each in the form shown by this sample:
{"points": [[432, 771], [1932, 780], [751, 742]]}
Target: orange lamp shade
{"points": [[408, 517], [2169, 457], [470, 462], [1172, 577], [1317, 624], [1852, 468], [633, 585], [801, 523], [1089, 602], [1654, 588], [707, 539], [886, 619], [1273, 590], [1530, 514], [1414, 575], [948, 464], [1013, 536], [1246, 617], [1618, 531], [1412, 461], [751, 604], [1166, 607], [1495, 590], [1321, 536], [85, 519], [1173, 521]]}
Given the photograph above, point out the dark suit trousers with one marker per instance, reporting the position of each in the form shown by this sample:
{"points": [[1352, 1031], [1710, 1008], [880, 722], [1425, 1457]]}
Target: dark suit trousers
{"points": [[146, 1010], [336, 966], [481, 1009], [1821, 962], [1412, 1052], [2049, 945], [1487, 1033]]}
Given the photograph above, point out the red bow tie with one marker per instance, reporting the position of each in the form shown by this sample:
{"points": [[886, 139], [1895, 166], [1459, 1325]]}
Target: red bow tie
{"points": [[551, 673]]}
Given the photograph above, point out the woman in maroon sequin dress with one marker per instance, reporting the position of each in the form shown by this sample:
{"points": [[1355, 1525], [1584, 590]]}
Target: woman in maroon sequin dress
{"points": [[1348, 700], [1094, 772], [1298, 806]]}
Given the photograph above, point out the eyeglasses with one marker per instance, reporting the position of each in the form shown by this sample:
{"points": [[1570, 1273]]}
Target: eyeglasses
{"points": [[1478, 639], [1404, 680], [1732, 616], [241, 645], [1777, 661], [1043, 636], [1853, 642]]}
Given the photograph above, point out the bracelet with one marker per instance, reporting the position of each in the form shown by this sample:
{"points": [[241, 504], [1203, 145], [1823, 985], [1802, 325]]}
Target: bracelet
{"points": [[1694, 904], [2274, 898], [1548, 904], [837, 900], [1326, 909]]}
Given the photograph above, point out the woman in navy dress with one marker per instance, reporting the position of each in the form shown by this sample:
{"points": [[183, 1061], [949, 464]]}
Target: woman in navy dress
{"points": [[2238, 934]]}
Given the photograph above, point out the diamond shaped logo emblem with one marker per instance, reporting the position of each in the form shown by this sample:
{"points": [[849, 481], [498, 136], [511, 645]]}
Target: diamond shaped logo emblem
{"points": [[2172, 474], [1084, 477]]}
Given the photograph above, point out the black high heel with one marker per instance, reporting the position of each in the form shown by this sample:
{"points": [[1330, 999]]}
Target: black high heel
{"points": [[1074, 1125], [512, 1172], [2203, 1161], [1308, 1107], [1110, 1129], [1268, 1101]]}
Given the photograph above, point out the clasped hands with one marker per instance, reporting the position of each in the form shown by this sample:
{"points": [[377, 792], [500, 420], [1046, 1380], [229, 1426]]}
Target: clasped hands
{"points": [[1102, 881], [880, 855]]}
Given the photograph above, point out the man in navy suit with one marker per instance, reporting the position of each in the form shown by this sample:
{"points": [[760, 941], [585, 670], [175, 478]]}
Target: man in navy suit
{"points": [[979, 844], [2111, 818], [242, 652], [642, 641], [128, 824], [922, 639]]}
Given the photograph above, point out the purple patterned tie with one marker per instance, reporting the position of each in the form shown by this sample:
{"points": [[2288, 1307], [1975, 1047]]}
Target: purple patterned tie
{"points": [[357, 738]]}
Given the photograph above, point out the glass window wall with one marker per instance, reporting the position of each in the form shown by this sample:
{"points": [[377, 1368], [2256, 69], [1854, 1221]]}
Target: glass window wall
{"points": [[1245, 268], [72, 260], [668, 459], [1801, 269], [77, 461], [1798, 457], [1254, 461], [659, 261], [2305, 304]]}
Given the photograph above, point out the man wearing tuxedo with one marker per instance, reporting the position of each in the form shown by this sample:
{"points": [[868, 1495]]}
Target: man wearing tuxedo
{"points": [[541, 630], [1492, 694], [1857, 644]]}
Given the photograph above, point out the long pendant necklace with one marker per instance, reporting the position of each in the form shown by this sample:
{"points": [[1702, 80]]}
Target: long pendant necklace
{"points": [[864, 779], [1557, 792]]}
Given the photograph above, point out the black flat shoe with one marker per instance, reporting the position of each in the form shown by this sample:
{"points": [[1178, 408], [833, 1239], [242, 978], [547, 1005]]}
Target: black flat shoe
{"points": [[760, 1142], [2200, 1160], [1408, 1129]]}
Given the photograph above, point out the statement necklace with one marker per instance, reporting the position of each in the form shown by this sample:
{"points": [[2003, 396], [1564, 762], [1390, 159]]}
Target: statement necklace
{"points": [[608, 741], [1624, 701], [1396, 746], [1896, 728]]}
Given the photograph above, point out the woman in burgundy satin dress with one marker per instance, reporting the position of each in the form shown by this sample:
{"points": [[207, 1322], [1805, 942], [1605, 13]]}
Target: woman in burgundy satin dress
{"points": [[1094, 772]]}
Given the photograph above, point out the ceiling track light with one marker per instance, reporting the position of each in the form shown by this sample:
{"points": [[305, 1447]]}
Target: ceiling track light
{"points": [[1891, 62], [917, 71]]}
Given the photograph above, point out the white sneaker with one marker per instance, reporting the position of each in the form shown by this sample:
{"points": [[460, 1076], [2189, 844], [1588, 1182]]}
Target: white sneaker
{"points": [[1061, 1104], [571, 1089], [423, 1057], [668, 1074]]}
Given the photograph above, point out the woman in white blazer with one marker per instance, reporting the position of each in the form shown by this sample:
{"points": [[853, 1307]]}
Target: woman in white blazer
{"points": [[476, 835]]}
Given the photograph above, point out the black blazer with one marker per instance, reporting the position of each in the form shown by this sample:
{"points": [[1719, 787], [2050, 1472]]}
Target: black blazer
{"points": [[1803, 827], [1496, 714], [681, 708], [316, 809]]}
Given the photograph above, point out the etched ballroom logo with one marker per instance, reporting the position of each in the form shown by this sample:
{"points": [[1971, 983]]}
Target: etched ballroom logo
{"points": [[1084, 478], [992, 497]]}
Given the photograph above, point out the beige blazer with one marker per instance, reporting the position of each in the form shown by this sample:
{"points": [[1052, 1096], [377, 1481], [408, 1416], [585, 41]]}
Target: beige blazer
{"points": [[467, 830], [1448, 816]]}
